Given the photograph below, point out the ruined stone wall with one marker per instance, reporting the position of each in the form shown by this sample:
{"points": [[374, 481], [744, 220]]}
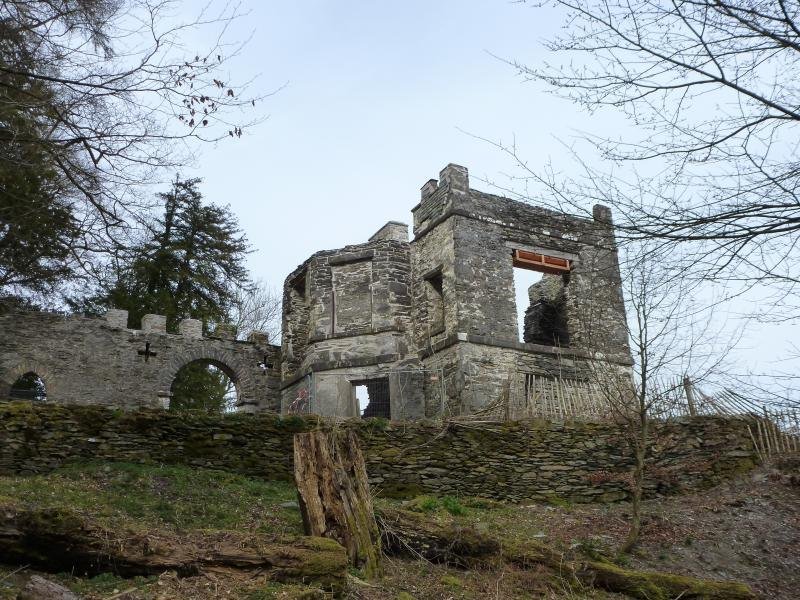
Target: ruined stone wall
{"points": [[485, 230], [432, 257], [357, 301], [330, 393], [86, 360], [446, 301], [470, 236], [578, 462], [352, 325]]}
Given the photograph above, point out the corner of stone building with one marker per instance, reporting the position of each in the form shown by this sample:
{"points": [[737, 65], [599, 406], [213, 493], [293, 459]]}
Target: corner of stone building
{"points": [[454, 178]]}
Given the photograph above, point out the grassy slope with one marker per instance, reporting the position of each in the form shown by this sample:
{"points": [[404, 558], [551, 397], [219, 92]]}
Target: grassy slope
{"points": [[172, 498], [143, 497], [146, 498], [163, 499]]}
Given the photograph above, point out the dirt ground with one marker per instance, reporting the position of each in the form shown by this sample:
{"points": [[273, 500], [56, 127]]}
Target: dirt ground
{"points": [[747, 530]]}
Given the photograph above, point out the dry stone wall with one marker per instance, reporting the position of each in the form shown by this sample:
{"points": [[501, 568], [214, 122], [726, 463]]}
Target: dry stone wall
{"points": [[578, 462]]}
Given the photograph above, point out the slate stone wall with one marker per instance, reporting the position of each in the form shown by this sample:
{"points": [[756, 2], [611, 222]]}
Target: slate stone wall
{"points": [[579, 462], [349, 323], [87, 360], [472, 236]]}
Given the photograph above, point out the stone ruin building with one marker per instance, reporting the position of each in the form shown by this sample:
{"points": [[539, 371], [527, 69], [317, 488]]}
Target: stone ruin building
{"points": [[430, 325], [424, 326]]}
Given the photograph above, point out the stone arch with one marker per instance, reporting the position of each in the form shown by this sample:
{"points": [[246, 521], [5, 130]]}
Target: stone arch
{"points": [[10, 377], [224, 360]]}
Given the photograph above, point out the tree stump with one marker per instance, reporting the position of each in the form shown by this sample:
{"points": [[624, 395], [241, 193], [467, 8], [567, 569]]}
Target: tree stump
{"points": [[334, 497]]}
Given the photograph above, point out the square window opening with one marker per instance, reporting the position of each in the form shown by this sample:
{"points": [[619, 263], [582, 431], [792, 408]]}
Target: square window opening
{"points": [[373, 398]]}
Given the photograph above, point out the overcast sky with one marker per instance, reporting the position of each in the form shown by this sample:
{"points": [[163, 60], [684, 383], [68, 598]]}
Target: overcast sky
{"points": [[377, 97]]}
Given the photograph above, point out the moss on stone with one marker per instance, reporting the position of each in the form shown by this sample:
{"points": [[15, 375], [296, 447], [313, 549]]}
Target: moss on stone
{"points": [[511, 461], [400, 491], [664, 586]]}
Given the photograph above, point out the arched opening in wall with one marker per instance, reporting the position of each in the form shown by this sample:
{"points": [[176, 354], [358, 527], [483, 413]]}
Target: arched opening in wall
{"points": [[204, 385], [28, 387], [539, 289]]}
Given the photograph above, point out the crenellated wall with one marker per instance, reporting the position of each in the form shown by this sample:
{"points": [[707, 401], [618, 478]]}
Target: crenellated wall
{"points": [[91, 360]]}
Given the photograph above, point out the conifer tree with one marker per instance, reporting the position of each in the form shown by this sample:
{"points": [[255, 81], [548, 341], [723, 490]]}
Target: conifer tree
{"points": [[190, 266]]}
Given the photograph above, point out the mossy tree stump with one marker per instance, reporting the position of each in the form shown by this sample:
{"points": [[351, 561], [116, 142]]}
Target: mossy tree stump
{"points": [[334, 497]]}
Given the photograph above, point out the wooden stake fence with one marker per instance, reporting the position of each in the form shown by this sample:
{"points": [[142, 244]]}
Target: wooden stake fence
{"points": [[774, 431]]}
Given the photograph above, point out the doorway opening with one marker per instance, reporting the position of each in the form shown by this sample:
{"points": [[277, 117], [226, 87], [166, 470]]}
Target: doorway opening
{"points": [[204, 385], [372, 396], [28, 387]]}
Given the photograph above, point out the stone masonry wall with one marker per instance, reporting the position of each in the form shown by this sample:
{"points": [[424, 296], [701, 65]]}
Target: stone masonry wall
{"points": [[446, 302], [90, 360], [471, 237], [355, 308], [482, 230], [579, 462]]}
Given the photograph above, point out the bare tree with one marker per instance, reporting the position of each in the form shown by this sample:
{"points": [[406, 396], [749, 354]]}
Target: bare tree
{"points": [[258, 308], [107, 96], [670, 335], [711, 88]]}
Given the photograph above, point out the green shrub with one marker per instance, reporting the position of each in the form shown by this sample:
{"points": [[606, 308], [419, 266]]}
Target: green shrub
{"points": [[453, 506]]}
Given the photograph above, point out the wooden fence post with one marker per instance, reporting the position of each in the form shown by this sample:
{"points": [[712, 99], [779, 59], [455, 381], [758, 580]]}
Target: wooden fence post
{"points": [[689, 389]]}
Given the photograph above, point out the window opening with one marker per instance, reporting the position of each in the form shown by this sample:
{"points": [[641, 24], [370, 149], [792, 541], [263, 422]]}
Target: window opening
{"points": [[436, 303], [539, 289], [372, 396], [29, 387], [299, 285], [523, 281]]}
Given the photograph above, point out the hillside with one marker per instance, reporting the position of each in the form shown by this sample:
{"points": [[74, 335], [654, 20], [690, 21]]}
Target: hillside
{"points": [[747, 530]]}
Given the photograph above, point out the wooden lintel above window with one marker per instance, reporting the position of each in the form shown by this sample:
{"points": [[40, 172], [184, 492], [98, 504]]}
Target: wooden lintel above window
{"points": [[535, 261]]}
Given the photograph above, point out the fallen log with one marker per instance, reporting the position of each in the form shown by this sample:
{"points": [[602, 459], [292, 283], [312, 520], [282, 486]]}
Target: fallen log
{"points": [[660, 586], [333, 493], [413, 535], [57, 540]]}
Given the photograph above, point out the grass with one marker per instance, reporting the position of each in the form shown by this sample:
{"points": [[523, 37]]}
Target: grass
{"points": [[147, 496], [174, 498], [433, 504], [163, 498]]}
